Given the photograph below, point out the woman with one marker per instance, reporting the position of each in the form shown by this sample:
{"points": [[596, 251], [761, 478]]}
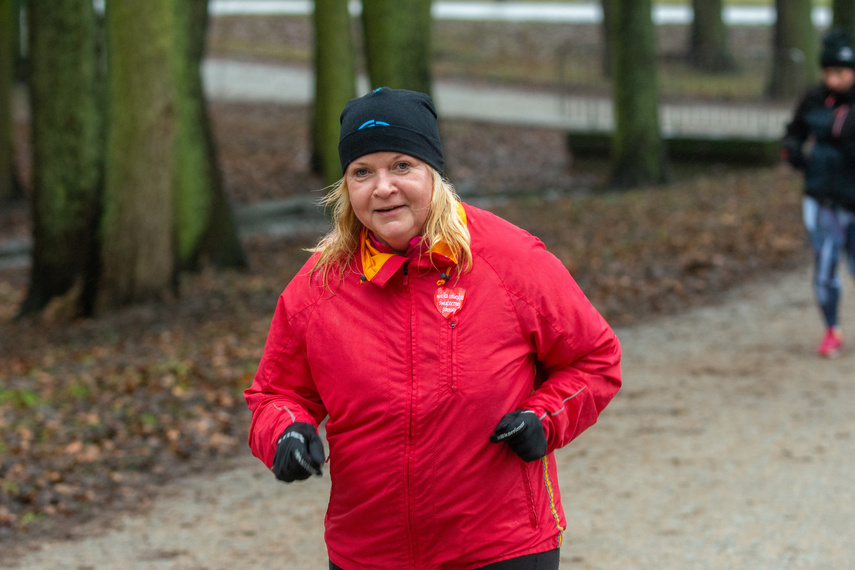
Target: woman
{"points": [[449, 352], [825, 119]]}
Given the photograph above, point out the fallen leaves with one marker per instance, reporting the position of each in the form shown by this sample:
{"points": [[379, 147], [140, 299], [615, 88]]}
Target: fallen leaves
{"points": [[155, 390], [655, 250]]}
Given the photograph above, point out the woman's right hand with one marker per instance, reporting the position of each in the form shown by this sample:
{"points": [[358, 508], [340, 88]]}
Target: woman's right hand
{"points": [[299, 453]]}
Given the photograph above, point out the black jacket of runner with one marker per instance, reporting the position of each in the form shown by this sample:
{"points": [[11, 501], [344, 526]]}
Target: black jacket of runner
{"points": [[821, 141]]}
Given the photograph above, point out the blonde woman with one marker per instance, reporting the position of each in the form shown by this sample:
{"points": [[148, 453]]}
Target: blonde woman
{"points": [[449, 352]]}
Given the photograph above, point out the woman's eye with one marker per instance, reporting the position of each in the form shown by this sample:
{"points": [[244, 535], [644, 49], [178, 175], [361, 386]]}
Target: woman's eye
{"points": [[359, 172], [402, 166]]}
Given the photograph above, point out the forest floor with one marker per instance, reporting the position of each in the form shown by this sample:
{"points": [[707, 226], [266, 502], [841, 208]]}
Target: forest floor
{"points": [[123, 437]]}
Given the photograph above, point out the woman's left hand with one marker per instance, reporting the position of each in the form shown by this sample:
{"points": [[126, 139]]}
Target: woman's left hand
{"points": [[523, 432]]}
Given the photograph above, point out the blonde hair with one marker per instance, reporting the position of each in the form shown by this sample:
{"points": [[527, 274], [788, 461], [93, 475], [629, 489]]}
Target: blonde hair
{"points": [[443, 225]]}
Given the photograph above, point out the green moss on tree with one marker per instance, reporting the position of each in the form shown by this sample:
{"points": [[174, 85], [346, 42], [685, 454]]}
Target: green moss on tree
{"points": [[398, 43], [137, 251], [67, 150], [335, 82], [637, 148]]}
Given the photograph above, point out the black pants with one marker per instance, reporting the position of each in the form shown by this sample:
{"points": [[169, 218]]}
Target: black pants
{"points": [[543, 561]]}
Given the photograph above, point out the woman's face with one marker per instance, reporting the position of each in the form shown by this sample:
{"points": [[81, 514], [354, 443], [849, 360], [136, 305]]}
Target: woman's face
{"points": [[391, 194], [838, 79]]}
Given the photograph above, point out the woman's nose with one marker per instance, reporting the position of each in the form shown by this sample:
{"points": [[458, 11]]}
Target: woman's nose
{"points": [[384, 184]]}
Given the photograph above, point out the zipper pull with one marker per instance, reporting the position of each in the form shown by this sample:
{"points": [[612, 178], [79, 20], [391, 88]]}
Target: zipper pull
{"points": [[452, 324]]}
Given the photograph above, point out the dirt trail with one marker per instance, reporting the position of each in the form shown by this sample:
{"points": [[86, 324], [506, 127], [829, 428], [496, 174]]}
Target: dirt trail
{"points": [[730, 446]]}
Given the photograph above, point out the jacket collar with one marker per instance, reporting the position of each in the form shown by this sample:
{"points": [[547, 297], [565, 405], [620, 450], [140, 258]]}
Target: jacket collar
{"points": [[379, 262]]}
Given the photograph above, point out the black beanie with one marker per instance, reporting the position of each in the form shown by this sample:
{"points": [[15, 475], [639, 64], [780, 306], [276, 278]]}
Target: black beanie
{"points": [[392, 120], [837, 50]]}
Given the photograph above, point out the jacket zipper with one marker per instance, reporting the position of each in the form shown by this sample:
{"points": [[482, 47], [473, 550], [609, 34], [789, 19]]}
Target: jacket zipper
{"points": [[453, 353], [409, 449]]}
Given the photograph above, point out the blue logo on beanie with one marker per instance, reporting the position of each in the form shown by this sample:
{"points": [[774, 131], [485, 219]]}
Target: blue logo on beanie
{"points": [[372, 123]]}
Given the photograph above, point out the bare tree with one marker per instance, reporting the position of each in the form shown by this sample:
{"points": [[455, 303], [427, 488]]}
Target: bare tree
{"points": [[844, 15], [708, 45], [637, 148], [8, 24], [67, 150], [335, 82], [606, 30], [795, 49], [398, 43], [137, 253], [204, 225]]}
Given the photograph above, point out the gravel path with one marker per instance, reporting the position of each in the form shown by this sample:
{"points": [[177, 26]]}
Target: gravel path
{"points": [[730, 446]]}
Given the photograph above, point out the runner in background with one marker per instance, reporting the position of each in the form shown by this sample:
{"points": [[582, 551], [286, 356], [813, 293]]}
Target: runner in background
{"points": [[820, 141]]}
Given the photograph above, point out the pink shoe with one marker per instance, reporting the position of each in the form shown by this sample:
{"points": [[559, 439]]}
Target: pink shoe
{"points": [[831, 343]]}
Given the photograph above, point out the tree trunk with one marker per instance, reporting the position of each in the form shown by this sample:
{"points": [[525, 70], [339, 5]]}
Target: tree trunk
{"points": [[398, 43], [67, 151], [18, 38], [137, 227], [844, 16], [335, 83], [204, 227], [8, 23], [606, 29], [708, 47], [795, 64], [637, 147]]}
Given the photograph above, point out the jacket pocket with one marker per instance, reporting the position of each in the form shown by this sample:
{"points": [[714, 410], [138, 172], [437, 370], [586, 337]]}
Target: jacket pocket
{"points": [[529, 493]]}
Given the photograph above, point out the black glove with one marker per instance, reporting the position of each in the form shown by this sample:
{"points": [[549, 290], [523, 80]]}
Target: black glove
{"points": [[299, 453], [523, 432]]}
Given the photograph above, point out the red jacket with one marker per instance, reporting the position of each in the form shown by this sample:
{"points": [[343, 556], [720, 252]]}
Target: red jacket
{"points": [[412, 397]]}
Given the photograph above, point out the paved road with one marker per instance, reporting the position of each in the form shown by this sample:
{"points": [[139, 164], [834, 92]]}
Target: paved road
{"points": [[552, 12], [240, 81]]}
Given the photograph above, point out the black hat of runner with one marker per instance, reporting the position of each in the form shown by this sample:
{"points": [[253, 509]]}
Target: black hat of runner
{"points": [[837, 50], [393, 120]]}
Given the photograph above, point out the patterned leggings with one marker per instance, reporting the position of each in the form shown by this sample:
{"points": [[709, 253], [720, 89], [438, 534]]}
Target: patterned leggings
{"points": [[832, 231]]}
